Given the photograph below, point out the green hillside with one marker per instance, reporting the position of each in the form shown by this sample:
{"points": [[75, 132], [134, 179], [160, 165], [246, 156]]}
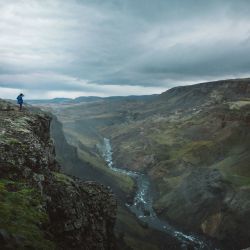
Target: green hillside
{"points": [[193, 142]]}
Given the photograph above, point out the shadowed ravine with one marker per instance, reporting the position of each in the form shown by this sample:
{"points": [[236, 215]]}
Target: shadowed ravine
{"points": [[142, 207]]}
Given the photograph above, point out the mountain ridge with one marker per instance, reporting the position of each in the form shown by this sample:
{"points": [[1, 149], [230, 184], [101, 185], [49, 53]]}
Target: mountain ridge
{"points": [[172, 138]]}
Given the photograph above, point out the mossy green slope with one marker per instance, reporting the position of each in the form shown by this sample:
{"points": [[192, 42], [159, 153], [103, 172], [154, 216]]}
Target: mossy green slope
{"points": [[22, 215]]}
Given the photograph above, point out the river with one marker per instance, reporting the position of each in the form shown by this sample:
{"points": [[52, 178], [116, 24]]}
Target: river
{"points": [[142, 207]]}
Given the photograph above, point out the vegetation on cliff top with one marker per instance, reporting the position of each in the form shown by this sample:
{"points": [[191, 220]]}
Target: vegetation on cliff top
{"points": [[41, 208], [22, 215]]}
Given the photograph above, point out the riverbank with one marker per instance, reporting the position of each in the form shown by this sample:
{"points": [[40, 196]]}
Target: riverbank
{"points": [[142, 207]]}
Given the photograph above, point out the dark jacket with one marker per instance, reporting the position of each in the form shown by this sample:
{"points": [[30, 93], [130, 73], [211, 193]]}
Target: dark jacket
{"points": [[19, 99]]}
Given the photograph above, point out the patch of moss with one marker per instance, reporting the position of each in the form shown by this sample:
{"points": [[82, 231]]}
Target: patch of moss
{"points": [[235, 168], [125, 183], [63, 178], [13, 141], [89, 140], [238, 104], [191, 149], [237, 180], [22, 215]]}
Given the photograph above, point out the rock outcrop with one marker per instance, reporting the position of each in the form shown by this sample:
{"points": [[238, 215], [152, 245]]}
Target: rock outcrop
{"points": [[41, 208]]}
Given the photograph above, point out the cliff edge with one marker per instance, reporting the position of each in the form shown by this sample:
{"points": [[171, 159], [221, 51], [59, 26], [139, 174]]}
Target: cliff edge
{"points": [[41, 208]]}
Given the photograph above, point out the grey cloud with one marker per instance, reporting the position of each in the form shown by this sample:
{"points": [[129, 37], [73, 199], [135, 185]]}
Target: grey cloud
{"points": [[77, 45]]}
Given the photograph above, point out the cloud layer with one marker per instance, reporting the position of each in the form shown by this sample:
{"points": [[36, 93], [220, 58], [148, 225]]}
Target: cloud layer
{"points": [[114, 47]]}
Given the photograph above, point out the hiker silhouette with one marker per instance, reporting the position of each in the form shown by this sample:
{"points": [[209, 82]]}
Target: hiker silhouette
{"points": [[20, 101]]}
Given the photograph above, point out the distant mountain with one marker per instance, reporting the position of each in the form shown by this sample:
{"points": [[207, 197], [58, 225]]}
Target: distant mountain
{"points": [[86, 99], [49, 101], [206, 93]]}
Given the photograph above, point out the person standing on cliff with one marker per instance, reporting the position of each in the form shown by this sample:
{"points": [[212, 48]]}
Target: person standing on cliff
{"points": [[20, 101]]}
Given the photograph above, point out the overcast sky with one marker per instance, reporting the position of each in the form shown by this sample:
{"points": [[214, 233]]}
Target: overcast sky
{"points": [[62, 48]]}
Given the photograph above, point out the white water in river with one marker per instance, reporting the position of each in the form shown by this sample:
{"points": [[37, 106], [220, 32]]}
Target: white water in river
{"points": [[142, 206]]}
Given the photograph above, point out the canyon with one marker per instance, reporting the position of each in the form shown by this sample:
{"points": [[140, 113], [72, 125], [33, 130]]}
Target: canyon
{"points": [[193, 144], [168, 171]]}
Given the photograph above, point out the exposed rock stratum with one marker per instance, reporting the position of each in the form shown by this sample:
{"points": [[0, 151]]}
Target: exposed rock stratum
{"points": [[41, 208]]}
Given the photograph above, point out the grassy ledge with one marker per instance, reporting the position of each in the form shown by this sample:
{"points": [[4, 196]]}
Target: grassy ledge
{"points": [[22, 215]]}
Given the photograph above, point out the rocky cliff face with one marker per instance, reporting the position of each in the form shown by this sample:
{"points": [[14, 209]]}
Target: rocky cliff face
{"points": [[73, 163], [41, 208]]}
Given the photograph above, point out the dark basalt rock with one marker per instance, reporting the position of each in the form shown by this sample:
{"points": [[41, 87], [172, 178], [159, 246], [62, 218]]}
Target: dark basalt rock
{"points": [[62, 212]]}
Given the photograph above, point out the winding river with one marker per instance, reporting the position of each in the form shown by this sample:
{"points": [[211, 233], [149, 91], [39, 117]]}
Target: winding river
{"points": [[142, 206]]}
